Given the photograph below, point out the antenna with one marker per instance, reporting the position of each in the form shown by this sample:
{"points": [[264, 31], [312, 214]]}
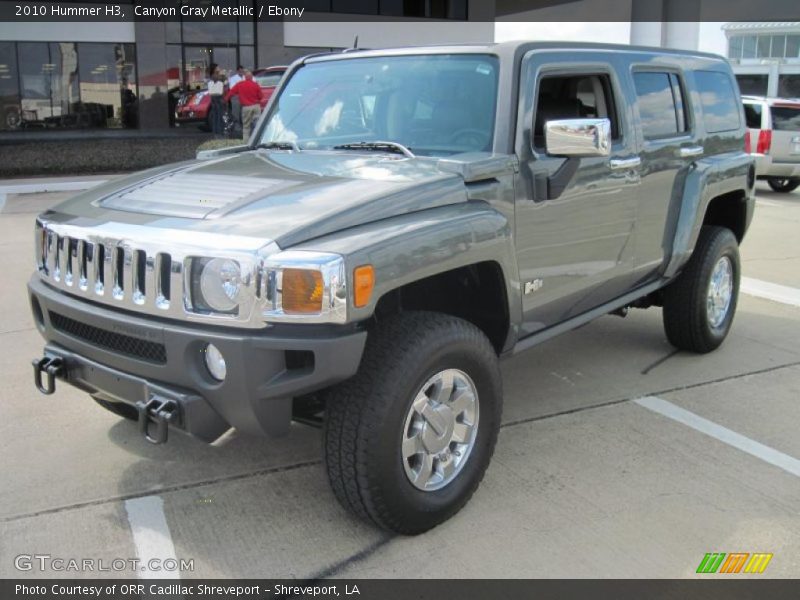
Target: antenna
{"points": [[355, 43]]}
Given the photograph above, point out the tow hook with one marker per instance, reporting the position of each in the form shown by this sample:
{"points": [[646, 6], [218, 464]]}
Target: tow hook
{"points": [[160, 412], [51, 367]]}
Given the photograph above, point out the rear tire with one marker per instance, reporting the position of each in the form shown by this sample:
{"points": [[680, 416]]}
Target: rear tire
{"points": [[700, 304], [785, 185], [376, 435]]}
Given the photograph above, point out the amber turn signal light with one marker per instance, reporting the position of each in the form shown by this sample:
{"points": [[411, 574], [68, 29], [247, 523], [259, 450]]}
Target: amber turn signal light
{"points": [[363, 283], [301, 291]]}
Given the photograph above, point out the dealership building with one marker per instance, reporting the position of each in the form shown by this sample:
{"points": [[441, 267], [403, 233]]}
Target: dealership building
{"points": [[66, 76], [125, 77]]}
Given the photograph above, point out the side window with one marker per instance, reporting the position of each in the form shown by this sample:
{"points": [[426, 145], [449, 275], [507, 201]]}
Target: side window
{"points": [[752, 115], [720, 102], [573, 97], [661, 104]]}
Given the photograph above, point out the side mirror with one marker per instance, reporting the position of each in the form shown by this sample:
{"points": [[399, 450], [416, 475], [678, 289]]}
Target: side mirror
{"points": [[578, 137]]}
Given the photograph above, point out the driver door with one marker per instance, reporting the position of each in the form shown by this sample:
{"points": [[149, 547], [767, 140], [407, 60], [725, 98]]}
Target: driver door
{"points": [[575, 217]]}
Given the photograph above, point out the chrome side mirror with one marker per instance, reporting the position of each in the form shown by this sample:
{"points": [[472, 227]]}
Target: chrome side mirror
{"points": [[578, 137]]}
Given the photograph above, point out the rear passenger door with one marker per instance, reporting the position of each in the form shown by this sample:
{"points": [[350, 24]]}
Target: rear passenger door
{"points": [[668, 146]]}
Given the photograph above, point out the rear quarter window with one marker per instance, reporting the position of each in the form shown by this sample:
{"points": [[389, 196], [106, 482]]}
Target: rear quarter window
{"points": [[786, 118], [752, 115], [720, 101]]}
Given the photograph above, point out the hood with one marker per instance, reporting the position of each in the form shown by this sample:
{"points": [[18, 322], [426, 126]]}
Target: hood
{"points": [[285, 197]]}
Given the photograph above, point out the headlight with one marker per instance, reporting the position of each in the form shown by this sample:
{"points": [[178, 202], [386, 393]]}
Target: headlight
{"points": [[216, 285], [304, 286]]}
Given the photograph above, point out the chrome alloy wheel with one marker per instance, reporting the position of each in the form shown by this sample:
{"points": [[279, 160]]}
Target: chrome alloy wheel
{"points": [[440, 430], [720, 292]]}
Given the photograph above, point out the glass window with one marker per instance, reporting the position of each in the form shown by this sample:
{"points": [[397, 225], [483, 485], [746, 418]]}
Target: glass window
{"points": [[384, 98], [778, 46], [793, 46], [789, 86], [108, 84], [268, 78], [173, 32], [246, 35], [573, 97], [9, 87], [657, 106], [247, 57], [749, 46], [753, 85], [209, 32], [735, 47], [786, 118], [49, 84], [752, 115], [720, 102], [762, 49]]}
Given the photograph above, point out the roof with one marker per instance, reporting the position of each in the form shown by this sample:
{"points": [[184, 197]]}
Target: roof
{"points": [[756, 27], [501, 49]]}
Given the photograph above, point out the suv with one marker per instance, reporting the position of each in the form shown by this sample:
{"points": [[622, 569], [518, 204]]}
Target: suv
{"points": [[773, 137], [399, 221]]}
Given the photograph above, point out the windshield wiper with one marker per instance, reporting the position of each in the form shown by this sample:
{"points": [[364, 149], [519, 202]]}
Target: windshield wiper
{"points": [[381, 146], [280, 145]]}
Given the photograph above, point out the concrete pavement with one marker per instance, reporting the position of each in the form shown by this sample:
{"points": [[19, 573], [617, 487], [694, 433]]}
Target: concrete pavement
{"points": [[585, 482]]}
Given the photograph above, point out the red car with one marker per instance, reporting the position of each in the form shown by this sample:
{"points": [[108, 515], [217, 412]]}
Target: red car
{"points": [[194, 106]]}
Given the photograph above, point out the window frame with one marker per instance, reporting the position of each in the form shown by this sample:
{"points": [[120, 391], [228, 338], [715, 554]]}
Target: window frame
{"points": [[690, 121], [610, 88]]}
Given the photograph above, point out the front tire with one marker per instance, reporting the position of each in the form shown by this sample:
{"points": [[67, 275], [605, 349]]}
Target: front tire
{"points": [[700, 304], [408, 438], [785, 185]]}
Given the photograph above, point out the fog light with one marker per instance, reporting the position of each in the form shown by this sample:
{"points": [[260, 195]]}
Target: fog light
{"points": [[215, 362]]}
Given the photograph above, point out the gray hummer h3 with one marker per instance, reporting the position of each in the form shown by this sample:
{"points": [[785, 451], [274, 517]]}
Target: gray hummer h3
{"points": [[399, 221]]}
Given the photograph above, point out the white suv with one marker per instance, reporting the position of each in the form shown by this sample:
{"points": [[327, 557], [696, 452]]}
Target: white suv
{"points": [[773, 137]]}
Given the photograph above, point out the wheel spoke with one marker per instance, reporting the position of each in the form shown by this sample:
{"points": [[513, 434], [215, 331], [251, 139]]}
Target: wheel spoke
{"points": [[412, 446], [447, 468], [425, 471], [444, 387], [434, 419], [462, 433], [463, 400]]}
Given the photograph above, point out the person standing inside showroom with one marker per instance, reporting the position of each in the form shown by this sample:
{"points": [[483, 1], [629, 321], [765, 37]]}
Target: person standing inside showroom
{"points": [[249, 93]]}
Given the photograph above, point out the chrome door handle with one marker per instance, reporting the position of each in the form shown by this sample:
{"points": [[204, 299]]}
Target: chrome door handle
{"points": [[625, 163], [688, 151]]}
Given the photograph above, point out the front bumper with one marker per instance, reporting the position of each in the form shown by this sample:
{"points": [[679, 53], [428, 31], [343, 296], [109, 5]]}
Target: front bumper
{"points": [[119, 357]]}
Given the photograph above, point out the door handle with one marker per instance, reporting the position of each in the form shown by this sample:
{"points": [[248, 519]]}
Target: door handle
{"points": [[688, 151], [625, 163]]}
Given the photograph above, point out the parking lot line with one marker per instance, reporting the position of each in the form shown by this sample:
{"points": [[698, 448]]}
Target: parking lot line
{"points": [[151, 535], [771, 291], [723, 434]]}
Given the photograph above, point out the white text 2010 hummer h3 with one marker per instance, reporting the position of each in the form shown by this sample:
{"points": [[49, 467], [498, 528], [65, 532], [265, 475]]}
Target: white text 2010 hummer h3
{"points": [[399, 221]]}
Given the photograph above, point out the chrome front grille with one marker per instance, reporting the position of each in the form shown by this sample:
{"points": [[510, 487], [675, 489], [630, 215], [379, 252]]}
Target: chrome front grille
{"points": [[125, 266], [111, 270]]}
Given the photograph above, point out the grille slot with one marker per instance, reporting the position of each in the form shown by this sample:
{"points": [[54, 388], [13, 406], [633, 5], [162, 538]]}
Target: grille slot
{"points": [[109, 271], [116, 342]]}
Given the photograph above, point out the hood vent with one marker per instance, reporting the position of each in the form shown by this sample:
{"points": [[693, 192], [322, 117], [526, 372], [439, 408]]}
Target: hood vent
{"points": [[192, 195]]}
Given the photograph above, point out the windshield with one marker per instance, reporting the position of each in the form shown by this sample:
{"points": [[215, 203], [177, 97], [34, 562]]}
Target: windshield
{"points": [[432, 104]]}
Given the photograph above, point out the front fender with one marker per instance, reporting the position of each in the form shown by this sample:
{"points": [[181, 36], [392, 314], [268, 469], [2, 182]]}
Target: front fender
{"points": [[411, 247]]}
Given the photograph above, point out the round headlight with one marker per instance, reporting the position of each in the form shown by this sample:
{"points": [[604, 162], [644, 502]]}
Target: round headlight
{"points": [[220, 283], [215, 363]]}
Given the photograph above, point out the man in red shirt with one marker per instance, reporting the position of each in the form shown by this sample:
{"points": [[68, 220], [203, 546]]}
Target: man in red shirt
{"points": [[249, 93]]}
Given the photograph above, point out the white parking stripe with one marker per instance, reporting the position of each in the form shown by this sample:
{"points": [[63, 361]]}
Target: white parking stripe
{"points": [[151, 535], [771, 291], [723, 434]]}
